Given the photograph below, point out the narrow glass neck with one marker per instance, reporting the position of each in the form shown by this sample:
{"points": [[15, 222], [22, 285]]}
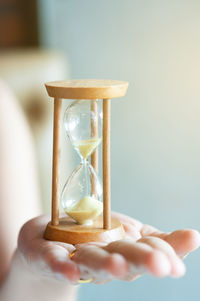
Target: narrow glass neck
{"points": [[84, 161]]}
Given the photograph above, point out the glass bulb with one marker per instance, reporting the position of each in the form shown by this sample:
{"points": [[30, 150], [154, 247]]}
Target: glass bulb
{"points": [[83, 123], [82, 195]]}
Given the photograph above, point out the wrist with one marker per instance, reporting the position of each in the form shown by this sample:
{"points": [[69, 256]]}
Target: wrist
{"points": [[24, 282]]}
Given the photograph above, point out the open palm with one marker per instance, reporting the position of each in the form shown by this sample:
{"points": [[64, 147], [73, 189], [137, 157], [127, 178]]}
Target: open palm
{"points": [[144, 250]]}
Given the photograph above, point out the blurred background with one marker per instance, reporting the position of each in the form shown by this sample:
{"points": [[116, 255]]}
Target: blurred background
{"points": [[155, 45]]}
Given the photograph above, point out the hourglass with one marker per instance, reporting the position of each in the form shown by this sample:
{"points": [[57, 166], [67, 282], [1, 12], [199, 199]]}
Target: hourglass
{"points": [[85, 201]]}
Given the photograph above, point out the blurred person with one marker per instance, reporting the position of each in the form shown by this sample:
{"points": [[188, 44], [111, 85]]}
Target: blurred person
{"points": [[37, 269]]}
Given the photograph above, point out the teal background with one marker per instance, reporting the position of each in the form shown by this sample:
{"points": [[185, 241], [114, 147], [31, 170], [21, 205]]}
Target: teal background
{"points": [[155, 45]]}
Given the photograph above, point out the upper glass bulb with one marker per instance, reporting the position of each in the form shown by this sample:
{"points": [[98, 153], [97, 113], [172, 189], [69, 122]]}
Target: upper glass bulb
{"points": [[83, 123]]}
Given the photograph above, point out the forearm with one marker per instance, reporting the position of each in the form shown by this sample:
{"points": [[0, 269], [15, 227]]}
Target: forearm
{"points": [[19, 185], [24, 284]]}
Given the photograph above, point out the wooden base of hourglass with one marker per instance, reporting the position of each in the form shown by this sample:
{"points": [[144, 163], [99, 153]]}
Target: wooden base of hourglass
{"points": [[69, 232]]}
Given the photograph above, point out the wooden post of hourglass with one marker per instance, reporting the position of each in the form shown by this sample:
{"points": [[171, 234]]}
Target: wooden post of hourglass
{"points": [[65, 229], [56, 160], [106, 165], [106, 159]]}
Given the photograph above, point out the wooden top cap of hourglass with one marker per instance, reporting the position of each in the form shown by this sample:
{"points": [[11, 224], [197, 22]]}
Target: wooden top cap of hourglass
{"points": [[86, 89]]}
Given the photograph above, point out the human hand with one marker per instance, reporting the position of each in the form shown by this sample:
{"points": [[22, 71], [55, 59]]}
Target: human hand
{"points": [[144, 250]]}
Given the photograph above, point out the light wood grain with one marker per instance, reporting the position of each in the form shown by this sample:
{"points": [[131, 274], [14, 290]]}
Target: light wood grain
{"points": [[69, 232], [56, 161], [87, 89], [106, 165]]}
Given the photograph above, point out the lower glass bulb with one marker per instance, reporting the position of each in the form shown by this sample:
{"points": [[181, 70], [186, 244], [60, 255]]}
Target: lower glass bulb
{"points": [[81, 196]]}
